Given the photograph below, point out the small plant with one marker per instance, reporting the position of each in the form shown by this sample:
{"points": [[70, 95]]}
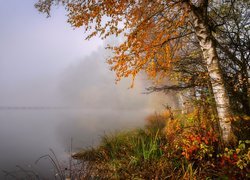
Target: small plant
{"points": [[189, 172], [150, 146], [54, 161], [197, 145], [238, 158]]}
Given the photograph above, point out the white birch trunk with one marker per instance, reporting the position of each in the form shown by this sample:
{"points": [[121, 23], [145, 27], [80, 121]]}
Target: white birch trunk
{"points": [[210, 56]]}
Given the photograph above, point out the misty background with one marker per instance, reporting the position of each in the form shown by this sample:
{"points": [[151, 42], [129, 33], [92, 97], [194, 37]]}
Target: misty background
{"points": [[46, 63]]}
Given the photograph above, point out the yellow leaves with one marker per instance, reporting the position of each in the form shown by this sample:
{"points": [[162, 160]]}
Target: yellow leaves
{"points": [[152, 29]]}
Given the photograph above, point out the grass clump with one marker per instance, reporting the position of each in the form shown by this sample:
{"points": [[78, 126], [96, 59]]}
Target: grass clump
{"points": [[128, 154], [125, 154]]}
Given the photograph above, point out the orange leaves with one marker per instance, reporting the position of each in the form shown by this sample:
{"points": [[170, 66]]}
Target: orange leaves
{"points": [[198, 144], [149, 25], [173, 129], [152, 31]]}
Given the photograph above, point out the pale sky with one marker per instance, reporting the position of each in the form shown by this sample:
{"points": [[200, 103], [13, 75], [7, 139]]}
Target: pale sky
{"points": [[35, 48]]}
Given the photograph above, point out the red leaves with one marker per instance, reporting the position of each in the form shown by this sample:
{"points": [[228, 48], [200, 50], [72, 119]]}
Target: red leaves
{"points": [[228, 160], [197, 145]]}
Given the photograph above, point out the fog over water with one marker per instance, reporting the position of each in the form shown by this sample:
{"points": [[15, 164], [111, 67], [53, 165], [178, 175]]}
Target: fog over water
{"points": [[45, 63]]}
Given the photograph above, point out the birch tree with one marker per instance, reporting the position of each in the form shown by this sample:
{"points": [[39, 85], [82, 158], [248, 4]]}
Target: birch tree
{"points": [[233, 43], [155, 32]]}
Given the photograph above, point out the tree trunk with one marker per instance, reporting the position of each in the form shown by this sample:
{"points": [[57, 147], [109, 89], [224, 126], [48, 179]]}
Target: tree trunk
{"points": [[205, 39], [245, 97]]}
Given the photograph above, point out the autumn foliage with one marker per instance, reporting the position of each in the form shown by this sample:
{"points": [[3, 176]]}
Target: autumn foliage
{"points": [[151, 31]]}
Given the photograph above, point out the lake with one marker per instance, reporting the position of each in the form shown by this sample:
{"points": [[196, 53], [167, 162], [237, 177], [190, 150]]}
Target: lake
{"points": [[27, 134]]}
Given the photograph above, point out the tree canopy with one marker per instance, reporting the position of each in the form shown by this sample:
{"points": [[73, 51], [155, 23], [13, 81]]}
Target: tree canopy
{"points": [[152, 30]]}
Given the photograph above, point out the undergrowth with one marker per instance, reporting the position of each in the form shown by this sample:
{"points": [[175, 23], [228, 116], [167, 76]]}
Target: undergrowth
{"points": [[170, 146]]}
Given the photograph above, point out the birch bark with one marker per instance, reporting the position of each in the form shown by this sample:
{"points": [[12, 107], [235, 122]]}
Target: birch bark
{"points": [[207, 45]]}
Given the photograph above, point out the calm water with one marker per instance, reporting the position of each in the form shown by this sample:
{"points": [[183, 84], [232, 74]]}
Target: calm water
{"points": [[25, 135]]}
